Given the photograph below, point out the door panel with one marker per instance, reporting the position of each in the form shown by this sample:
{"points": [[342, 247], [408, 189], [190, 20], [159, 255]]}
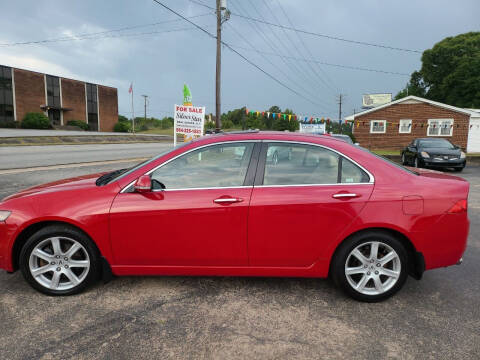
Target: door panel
{"points": [[200, 219], [183, 227], [289, 226], [302, 203]]}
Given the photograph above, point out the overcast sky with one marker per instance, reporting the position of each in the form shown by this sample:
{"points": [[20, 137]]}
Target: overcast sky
{"points": [[159, 63]]}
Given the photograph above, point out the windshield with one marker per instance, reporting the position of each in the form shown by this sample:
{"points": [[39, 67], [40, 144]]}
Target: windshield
{"points": [[436, 143], [345, 138], [118, 174]]}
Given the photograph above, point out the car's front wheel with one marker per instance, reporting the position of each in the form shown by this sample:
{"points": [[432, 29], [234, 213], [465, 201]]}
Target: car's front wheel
{"points": [[370, 266], [416, 162], [59, 260]]}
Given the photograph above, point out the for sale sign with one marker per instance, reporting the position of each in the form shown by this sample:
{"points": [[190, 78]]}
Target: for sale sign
{"points": [[189, 121]]}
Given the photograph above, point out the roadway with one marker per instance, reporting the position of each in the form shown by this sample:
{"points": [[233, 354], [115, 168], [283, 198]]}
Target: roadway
{"points": [[13, 157]]}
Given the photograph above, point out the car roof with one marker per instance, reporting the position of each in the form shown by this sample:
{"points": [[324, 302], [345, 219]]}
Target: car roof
{"points": [[268, 134]]}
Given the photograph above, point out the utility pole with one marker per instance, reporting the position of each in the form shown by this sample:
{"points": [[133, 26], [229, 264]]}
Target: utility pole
{"points": [[340, 100], [145, 107], [221, 6]]}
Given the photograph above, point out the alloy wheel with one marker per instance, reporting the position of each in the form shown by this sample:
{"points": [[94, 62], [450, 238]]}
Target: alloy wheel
{"points": [[373, 268], [59, 263]]}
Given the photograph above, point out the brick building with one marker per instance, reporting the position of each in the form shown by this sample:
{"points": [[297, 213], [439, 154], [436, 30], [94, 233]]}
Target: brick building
{"points": [[394, 125], [61, 99]]}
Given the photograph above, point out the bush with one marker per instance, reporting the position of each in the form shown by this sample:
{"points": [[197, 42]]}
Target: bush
{"points": [[9, 124], [227, 124], [122, 127], [34, 120], [81, 124]]}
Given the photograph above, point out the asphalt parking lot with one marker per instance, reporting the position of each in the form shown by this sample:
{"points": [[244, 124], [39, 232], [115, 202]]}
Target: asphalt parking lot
{"points": [[205, 317]]}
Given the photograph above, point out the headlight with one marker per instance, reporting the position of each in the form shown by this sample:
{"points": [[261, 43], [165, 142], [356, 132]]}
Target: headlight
{"points": [[462, 155], [424, 154], [4, 214]]}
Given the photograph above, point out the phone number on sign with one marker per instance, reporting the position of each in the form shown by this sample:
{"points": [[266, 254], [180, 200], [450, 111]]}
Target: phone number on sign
{"points": [[189, 131]]}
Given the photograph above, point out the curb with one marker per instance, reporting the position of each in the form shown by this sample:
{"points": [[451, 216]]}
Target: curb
{"points": [[82, 140]]}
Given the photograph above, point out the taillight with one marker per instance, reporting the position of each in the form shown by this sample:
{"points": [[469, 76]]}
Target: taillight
{"points": [[459, 207]]}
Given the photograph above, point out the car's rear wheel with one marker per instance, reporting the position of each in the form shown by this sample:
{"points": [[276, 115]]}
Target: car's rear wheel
{"points": [[59, 260], [370, 266]]}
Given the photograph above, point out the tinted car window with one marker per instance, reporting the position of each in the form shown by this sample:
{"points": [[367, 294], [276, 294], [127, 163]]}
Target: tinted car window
{"points": [[351, 173], [222, 165], [292, 164]]}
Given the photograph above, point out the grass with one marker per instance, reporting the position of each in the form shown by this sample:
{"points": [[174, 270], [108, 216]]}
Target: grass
{"points": [[386, 152]]}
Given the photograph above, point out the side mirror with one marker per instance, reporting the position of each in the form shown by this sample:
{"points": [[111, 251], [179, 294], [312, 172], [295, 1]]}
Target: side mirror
{"points": [[143, 184]]}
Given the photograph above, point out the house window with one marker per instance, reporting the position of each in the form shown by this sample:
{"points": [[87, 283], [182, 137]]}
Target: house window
{"points": [[440, 127], [6, 95], [92, 107], [405, 126], [378, 126], [53, 91]]}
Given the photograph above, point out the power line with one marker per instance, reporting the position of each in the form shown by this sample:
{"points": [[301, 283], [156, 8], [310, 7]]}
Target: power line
{"points": [[236, 52], [309, 65], [269, 61], [329, 36], [290, 65], [323, 62], [87, 36], [291, 28], [305, 45]]}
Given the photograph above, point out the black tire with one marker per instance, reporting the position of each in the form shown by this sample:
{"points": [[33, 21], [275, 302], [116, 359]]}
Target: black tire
{"points": [[458, 169], [337, 268], [417, 163], [67, 232], [404, 159]]}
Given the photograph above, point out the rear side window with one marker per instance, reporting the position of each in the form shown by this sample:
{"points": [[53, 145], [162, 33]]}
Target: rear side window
{"points": [[299, 164], [351, 173]]}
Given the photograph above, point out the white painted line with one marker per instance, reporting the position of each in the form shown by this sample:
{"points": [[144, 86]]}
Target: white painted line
{"points": [[67, 166]]}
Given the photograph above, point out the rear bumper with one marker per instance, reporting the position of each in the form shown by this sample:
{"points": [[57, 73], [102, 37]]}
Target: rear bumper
{"points": [[445, 242]]}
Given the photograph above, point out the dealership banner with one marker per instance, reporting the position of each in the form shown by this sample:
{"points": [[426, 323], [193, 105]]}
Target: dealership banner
{"points": [[374, 100], [312, 128], [188, 121]]}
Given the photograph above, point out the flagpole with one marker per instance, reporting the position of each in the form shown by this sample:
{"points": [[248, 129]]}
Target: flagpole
{"points": [[133, 113]]}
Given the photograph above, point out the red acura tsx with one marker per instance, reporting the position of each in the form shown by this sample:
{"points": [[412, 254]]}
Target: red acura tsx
{"points": [[241, 204]]}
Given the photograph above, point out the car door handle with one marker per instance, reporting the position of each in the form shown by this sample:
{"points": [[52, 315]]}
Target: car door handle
{"points": [[344, 195], [227, 200]]}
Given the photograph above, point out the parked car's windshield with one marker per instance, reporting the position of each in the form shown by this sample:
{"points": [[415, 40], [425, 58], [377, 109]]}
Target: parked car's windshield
{"points": [[436, 143], [345, 138]]}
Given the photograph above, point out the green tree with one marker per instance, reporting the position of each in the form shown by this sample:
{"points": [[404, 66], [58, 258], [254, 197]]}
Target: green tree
{"points": [[122, 118], [450, 72]]}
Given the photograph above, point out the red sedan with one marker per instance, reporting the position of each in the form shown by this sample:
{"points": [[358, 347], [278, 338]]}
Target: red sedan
{"points": [[226, 205]]}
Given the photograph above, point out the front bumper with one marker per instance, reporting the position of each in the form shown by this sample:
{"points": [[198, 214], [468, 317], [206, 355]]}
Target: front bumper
{"points": [[440, 162]]}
